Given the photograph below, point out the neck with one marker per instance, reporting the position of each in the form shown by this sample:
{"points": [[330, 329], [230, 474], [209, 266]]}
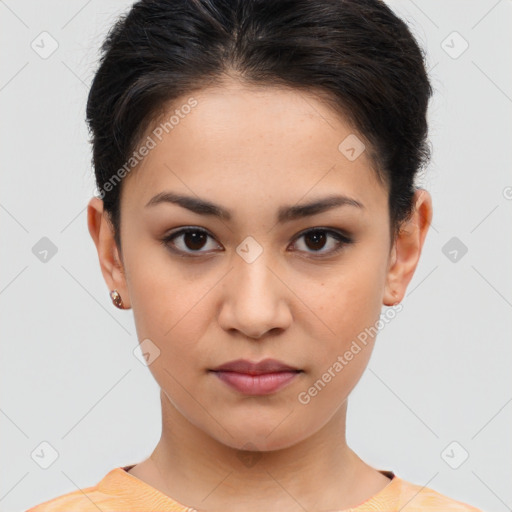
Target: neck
{"points": [[320, 472]]}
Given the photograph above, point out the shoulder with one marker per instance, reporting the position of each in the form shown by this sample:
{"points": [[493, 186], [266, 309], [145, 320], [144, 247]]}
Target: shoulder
{"points": [[83, 500], [417, 498], [107, 494], [117, 491]]}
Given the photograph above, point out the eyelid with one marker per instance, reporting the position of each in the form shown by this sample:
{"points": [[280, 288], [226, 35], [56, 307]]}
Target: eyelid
{"points": [[341, 236], [167, 239], [345, 236]]}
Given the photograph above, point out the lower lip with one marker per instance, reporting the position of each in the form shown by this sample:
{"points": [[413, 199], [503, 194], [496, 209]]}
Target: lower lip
{"points": [[256, 384]]}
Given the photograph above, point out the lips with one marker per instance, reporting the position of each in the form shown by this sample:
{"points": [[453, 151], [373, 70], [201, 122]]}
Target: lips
{"points": [[262, 378], [250, 368]]}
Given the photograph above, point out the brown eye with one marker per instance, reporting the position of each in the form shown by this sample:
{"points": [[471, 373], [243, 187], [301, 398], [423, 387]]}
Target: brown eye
{"points": [[194, 240], [188, 241], [317, 239]]}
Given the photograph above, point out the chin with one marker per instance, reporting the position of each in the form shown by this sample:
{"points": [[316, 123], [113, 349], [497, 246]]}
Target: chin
{"points": [[262, 438]]}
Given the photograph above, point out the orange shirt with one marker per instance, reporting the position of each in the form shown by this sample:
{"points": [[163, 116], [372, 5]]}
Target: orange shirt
{"points": [[120, 491]]}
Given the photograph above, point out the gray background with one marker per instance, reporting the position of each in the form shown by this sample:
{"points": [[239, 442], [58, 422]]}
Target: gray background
{"points": [[440, 371]]}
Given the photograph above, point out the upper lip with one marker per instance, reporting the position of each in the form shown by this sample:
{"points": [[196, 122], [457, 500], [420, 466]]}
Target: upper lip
{"points": [[260, 367]]}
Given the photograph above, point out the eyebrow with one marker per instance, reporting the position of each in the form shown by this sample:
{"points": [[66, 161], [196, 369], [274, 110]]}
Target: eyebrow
{"points": [[285, 213]]}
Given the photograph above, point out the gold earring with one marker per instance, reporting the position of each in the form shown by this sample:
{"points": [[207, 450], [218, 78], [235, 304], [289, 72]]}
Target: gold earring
{"points": [[116, 299]]}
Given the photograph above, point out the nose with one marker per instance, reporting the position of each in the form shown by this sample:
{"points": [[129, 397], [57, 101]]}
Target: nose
{"points": [[255, 300]]}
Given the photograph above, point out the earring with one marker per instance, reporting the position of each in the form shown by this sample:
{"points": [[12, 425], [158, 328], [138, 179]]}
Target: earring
{"points": [[116, 299]]}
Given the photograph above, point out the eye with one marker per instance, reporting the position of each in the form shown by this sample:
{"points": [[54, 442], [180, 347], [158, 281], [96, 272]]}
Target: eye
{"points": [[191, 238], [317, 239]]}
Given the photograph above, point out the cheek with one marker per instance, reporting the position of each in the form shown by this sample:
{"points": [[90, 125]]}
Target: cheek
{"points": [[167, 306], [351, 309], [349, 304], [352, 299]]}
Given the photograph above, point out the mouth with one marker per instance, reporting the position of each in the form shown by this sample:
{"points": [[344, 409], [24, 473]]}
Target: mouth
{"points": [[255, 368], [261, 378]]}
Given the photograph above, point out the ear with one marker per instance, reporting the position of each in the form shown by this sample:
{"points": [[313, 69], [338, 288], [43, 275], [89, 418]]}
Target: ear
{"points": [[101, 231], [407, 247]]}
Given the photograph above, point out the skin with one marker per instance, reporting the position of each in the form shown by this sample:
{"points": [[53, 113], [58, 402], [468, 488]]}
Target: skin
{"points": [[254, 150]]}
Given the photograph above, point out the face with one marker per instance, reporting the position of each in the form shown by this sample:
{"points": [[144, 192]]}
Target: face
{"points": [[269, 278]]}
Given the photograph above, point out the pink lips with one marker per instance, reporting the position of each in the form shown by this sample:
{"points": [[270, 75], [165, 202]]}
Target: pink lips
{"points": [[260, 378]]}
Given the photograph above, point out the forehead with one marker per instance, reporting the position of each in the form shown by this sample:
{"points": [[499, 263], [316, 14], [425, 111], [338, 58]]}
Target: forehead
{"points": [[253, 143]]}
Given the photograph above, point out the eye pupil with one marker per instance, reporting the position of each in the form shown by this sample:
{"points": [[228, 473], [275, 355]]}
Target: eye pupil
{"points": [[196, 237], [317, 237]]}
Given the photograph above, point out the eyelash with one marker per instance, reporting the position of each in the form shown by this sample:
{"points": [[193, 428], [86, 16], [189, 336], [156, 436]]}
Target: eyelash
{"points": [[343, 240]]}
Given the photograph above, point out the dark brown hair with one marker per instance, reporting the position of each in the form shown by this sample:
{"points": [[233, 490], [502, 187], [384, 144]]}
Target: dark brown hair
{"points": [[355, 54]]}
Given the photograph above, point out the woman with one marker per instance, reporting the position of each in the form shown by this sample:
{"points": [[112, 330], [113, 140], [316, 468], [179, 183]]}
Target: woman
{"points": [[257, 207]]}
